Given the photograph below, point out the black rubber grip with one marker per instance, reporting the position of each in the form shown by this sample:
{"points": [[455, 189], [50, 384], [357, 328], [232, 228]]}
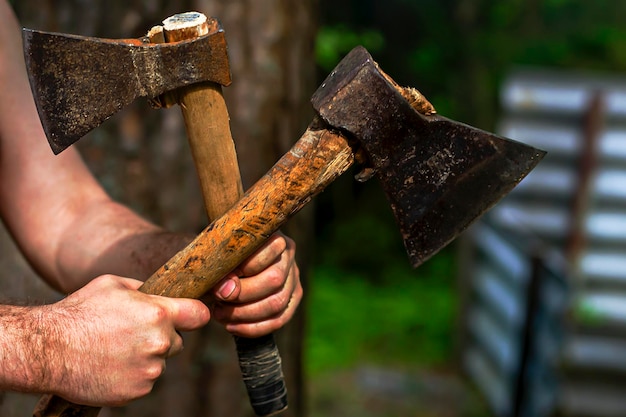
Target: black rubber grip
{"points": [[262, 373]]}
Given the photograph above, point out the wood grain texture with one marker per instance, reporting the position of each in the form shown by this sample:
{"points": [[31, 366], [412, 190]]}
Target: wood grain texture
{"points": [[316, 160], [141, 160], [208, 130], [208, 125]]}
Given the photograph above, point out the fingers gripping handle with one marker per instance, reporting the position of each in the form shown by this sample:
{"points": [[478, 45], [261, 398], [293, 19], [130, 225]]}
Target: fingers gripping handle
{"points": [[314, 162], [261, 369], [262, 373]]}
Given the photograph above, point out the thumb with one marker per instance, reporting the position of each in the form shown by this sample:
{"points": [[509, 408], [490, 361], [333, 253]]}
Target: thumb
{"points": [[228, 289], [186, 313]]}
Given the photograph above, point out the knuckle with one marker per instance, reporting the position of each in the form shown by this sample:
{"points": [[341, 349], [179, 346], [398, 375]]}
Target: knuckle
{"points": [[277, 303], [267, 327], [290, 244], [279, 322], [297, 296], [160, 345], [281, 243], [157, 314], [104, 280], [275, 278], [152, 373]]}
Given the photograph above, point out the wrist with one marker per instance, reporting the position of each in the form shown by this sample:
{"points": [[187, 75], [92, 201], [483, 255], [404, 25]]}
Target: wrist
{"points": [[27, 346]]}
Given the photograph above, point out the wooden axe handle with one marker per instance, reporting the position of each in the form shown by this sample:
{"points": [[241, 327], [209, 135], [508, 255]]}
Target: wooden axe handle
{"points": [[208, 130], [207, 124], [213, 150], [316, 160]]}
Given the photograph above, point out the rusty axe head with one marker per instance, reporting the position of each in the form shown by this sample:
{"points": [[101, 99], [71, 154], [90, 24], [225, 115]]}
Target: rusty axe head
{"points": [[78, 82], [439, 175]]}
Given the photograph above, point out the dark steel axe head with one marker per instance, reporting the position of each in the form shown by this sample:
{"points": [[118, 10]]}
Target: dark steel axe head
{"points": [[78, 82], [439, 175]]}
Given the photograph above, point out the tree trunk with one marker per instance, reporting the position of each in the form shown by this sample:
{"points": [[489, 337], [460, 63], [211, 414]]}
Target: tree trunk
{"points": [[142, 158]]}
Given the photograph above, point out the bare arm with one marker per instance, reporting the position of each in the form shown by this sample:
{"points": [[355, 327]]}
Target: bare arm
{"points": [[72, 232], [59, 215]]}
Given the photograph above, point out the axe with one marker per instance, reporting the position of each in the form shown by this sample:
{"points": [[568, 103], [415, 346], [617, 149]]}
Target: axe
{"points": [[439, 176], [184, 62]]}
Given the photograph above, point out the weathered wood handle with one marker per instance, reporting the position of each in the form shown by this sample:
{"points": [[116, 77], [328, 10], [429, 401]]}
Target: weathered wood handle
{"points": [[208, 130], [206, 121], [315, 161]]}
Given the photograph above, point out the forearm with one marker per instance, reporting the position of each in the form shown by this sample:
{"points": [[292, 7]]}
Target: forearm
{"points": [[109, 238], [62, 219]]}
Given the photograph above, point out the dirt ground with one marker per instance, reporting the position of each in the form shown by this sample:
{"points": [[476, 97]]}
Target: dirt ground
{"points": [[376, 392], [366, 391]]}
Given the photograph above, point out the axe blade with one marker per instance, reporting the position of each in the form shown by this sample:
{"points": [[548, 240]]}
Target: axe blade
{"points": [[439, 187], [439, 175], [78, 82]]}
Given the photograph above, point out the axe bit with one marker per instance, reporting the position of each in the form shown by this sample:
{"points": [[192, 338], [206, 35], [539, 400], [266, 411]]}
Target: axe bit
{"points": [[439, 175]]}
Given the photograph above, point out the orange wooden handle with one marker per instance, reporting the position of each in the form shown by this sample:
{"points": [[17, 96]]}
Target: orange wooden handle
{"points": [[316, 160]]}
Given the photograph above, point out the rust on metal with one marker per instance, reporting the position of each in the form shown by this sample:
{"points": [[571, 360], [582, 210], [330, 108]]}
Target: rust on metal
{"points": [[78, 82], [439, 175]]}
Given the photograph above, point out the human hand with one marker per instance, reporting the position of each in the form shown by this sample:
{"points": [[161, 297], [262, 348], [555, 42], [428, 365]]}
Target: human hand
{"points": [[108, 342], [263, 293]]}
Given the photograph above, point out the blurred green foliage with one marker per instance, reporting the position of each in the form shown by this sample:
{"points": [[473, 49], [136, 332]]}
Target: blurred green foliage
{"points": [[365, 244], [457, 51], [333, 42], [401, 318], [366, 303]]}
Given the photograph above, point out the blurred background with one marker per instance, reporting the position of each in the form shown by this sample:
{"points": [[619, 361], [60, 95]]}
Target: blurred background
{"points": [[522, 316]]}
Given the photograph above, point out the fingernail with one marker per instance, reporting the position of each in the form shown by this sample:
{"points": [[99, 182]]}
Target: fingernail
{"points": [[227, 288]]}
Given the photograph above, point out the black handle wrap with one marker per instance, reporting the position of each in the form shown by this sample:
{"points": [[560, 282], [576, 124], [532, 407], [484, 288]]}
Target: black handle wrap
{"points": [[262, 373]]}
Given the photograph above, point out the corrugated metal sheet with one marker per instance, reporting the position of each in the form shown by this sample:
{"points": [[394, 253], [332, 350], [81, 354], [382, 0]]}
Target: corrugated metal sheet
{"points": [[514, 321], [569, 352]]}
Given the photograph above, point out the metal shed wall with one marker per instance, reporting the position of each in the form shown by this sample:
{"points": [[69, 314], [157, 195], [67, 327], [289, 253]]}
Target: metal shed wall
{"points": [[569, 217]]}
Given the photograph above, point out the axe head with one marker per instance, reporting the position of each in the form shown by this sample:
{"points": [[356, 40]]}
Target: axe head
{"points": [[78, 82], [439, 175]]}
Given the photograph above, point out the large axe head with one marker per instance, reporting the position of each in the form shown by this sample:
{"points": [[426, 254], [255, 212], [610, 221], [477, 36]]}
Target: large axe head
{"points": [[439, 175], [78, 82]]}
